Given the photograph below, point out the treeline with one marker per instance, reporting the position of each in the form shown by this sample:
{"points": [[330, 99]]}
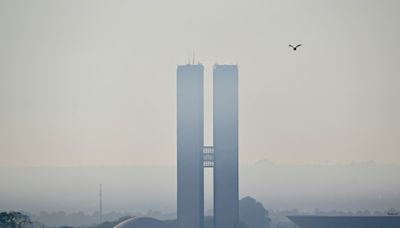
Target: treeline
{"points": [[252, 215]]}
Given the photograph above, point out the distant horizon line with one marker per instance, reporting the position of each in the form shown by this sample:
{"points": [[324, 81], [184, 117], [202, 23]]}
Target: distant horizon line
{"points": [[262, 162]]}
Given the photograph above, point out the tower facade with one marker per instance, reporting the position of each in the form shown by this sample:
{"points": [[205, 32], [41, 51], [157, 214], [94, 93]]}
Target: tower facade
{"points": [[193, 157], [190, 134], [225, 106]]}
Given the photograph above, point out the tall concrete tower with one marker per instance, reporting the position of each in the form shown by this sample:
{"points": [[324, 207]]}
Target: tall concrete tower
{"points": [[190, 134], [226, 195], [193, 156]]}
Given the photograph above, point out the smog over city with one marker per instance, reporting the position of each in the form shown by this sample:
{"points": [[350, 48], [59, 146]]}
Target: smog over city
{"points": [[200, 114]]}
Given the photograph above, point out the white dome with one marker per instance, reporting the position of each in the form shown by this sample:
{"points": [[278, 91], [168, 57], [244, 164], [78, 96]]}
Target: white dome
{"points": [[141, 222]]}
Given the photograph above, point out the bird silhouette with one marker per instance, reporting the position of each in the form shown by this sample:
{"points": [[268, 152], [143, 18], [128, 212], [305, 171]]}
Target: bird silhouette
{"points": [[294, 47]]}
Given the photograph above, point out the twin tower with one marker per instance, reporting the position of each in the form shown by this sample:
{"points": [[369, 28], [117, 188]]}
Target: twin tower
{"points": [[193, 156]]}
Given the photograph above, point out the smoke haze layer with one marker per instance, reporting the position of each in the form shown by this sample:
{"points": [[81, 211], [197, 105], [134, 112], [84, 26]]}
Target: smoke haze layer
{"points": [[356, 186]]}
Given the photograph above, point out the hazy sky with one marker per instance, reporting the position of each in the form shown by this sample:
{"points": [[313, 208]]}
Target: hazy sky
{"points": [[94, 82]]}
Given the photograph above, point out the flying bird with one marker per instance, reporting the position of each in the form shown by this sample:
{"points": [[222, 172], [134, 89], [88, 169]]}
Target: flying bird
{"points": [[294, 47]]}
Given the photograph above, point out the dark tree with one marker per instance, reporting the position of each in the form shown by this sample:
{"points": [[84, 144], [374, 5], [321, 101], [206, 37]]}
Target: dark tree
{"points": [[13, 219], [253, 213]]}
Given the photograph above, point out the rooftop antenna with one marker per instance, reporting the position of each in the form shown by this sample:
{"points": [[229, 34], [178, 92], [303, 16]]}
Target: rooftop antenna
{"points": [[101, 203]]}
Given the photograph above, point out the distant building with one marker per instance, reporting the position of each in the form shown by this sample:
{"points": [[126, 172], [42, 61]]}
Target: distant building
{"points": [[190, 134], [141, 222], [193, 156], [226, 139], [346, 221]]}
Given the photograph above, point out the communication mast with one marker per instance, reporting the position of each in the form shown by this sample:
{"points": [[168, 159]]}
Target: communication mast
{"points": [[100, 203]]}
